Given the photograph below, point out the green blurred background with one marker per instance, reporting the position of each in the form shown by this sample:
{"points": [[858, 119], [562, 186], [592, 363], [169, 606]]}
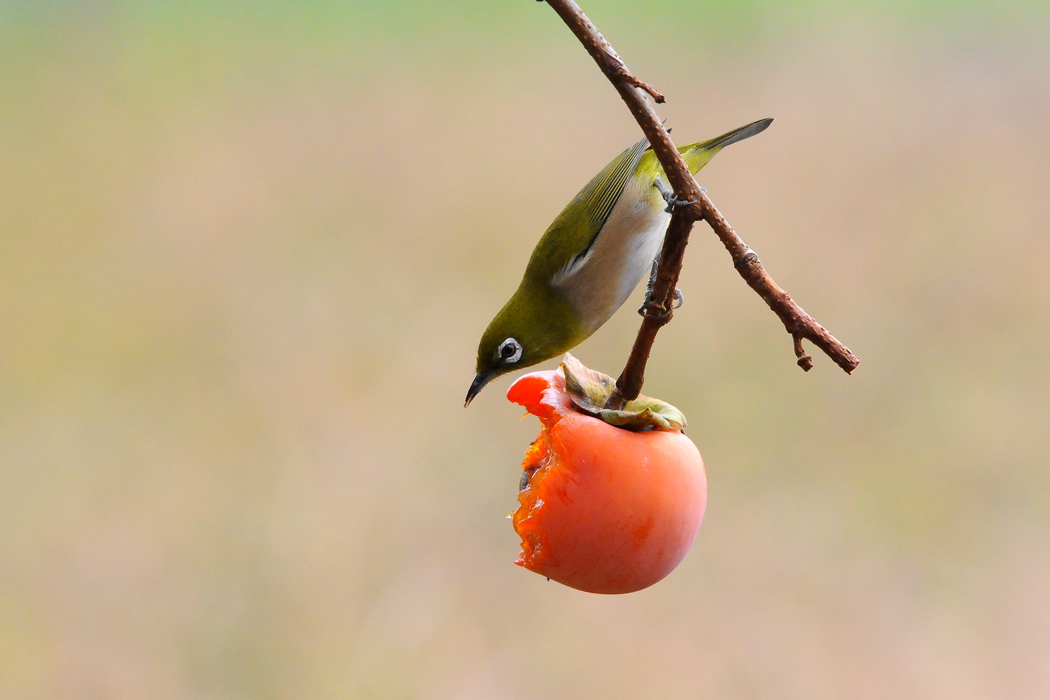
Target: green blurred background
{"points": [[247, 250]]}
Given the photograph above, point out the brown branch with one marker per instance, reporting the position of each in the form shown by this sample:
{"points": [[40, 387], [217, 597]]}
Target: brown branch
{"points": [[698, 206]]}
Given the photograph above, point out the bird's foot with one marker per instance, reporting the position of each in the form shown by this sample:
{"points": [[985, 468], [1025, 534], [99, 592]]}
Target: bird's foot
{"points": [[675, 202], [669, 197], [648, 311]]}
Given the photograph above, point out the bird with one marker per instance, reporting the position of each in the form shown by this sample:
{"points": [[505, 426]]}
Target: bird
{"points": [[590, 259]]}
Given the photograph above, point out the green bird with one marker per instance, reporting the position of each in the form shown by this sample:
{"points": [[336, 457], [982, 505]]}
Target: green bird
{"points": [[590, 259]]}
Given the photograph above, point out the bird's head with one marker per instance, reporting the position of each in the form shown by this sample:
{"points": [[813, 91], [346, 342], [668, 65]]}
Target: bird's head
{"points": [[535, 325]]}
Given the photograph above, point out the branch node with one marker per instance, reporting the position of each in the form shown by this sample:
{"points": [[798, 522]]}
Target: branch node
{"points": [[746, 260], [619, 68]]}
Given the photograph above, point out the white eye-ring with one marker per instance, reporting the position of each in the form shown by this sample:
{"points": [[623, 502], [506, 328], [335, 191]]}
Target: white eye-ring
{"points": [[509, 351]]}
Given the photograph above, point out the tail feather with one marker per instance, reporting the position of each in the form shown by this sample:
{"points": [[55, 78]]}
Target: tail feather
{"points": [[697, 155]]}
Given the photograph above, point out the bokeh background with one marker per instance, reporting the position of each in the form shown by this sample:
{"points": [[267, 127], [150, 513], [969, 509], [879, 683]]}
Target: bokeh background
{"points": [[247, 250]]}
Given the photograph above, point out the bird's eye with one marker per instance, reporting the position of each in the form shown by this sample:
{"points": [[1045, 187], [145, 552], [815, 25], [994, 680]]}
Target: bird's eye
{"points": [[509, 351]]}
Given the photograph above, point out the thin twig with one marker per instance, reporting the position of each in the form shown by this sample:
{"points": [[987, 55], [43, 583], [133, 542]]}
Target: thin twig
{"points": [[797, 322]]}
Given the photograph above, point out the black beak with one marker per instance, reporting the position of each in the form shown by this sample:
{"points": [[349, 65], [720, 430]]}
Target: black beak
{"points": [[480, 380]]}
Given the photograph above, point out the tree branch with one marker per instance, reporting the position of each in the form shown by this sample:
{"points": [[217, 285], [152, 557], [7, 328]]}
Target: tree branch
{"points": [[658, 312]]}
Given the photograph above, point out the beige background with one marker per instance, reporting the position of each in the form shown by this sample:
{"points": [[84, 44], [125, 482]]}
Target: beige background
{"points": [[246, 252]]}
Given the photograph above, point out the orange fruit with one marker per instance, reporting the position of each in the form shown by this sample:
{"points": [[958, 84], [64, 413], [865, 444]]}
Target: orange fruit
{"points": [[603, 509]]}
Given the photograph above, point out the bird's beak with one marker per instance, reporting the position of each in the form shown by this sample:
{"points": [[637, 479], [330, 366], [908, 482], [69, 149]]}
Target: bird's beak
{"points": [[480, 380]]}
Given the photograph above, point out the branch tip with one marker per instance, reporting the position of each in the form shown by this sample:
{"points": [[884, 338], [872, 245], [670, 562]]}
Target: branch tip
{"points": [[619, 68], [804, 360]]}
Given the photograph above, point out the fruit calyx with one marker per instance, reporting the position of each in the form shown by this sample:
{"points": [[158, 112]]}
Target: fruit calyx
{"points": [[588, 390]]}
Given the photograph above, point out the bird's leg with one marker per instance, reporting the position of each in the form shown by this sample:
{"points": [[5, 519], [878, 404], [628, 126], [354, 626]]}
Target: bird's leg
{"points": [[679, 298], [649, 287], [668, 194]]}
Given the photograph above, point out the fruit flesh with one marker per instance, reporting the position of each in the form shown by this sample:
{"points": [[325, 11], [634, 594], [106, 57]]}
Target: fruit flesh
{"points": [[605, 510]]}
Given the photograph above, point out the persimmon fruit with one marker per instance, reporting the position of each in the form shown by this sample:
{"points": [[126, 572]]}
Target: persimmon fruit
{"points": [[603, 509]]}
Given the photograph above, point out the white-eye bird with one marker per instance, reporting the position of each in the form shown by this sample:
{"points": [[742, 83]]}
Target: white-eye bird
{"points": [[590, 259]]}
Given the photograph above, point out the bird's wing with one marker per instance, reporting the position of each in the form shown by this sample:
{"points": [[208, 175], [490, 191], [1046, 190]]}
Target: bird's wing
{"points": [[579, 225]]}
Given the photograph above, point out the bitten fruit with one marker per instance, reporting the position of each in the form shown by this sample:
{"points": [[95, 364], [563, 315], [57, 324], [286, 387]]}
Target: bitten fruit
{"points": [[602, 508]]}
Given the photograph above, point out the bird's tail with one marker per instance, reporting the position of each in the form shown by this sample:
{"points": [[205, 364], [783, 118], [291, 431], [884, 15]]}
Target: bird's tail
{"points": [[697, 155]]}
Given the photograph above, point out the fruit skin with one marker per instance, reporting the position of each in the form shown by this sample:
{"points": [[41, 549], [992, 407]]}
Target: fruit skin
{"points": [[606, 510]]}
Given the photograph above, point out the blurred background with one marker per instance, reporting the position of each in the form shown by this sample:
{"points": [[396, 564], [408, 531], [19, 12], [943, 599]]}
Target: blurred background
{"points": [[247, 250]]}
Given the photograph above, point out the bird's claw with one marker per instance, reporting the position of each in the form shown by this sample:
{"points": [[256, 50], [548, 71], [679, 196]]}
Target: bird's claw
{"points": [[644, 309], [672, 201]]}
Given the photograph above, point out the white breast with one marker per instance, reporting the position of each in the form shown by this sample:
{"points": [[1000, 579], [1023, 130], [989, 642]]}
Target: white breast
{"points": [[620, 257]]}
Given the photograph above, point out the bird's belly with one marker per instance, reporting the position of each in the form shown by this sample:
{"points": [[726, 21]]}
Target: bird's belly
{"points": [[621, 256]]}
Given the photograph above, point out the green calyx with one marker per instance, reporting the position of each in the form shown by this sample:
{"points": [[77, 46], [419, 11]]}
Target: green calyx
{"points": [[589, 390]]}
